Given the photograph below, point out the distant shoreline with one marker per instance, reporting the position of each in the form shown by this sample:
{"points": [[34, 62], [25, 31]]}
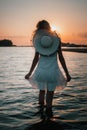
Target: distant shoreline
{"points": [[69, 49], [75, 49]]}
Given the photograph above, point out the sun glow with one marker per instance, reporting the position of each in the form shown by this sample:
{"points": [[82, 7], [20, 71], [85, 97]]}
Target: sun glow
{"points": [[55, 28]]}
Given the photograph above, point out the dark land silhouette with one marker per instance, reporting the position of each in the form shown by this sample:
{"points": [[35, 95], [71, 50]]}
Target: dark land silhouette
{"points": [[72, 45], [6, 43]]}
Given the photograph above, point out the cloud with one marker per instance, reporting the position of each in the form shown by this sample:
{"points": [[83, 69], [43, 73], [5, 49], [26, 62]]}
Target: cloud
{"points": [[83, 35]]}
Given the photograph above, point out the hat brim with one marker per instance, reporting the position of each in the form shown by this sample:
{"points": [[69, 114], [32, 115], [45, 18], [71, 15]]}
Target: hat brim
{"points": [[49, 50]]}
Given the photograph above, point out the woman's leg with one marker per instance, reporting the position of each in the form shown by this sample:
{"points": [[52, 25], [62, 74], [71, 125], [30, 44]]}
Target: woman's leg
{"points": [[49, 99], [41, 97], [41, 102]]}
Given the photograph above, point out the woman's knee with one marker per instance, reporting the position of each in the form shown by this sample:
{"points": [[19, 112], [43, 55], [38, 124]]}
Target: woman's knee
{"points": [[42, 91], [50, 92]]}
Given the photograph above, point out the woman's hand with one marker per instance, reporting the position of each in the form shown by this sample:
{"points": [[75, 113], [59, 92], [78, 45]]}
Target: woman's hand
{"points": [[34, 63], [68, 78], [27, 76]]}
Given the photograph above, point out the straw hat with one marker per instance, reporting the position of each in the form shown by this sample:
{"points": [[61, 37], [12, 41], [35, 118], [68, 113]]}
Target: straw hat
{"points": [[46, 44]]}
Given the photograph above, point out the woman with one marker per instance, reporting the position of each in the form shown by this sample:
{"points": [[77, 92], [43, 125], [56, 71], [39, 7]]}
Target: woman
{"points": [[47, 76]]}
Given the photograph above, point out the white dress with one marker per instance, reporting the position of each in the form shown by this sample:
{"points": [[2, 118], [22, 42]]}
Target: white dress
{"points": [[47, 74]]}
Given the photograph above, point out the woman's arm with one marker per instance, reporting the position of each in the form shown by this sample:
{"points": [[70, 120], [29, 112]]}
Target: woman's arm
{"points": [[34, 63], [62, 61]]}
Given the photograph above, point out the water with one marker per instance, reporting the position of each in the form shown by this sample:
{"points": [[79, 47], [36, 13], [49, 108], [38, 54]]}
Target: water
{"points": [[19, 101]]}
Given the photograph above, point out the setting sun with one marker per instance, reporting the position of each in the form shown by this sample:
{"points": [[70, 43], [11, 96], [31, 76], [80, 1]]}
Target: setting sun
{"points": [[55, 28]]}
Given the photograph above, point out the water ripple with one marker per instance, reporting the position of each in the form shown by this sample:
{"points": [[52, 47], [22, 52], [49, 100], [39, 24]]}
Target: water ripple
{"points": [[19, 102]]}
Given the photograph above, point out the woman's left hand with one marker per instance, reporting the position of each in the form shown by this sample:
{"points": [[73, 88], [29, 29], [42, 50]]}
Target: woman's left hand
{"points": [[27, 76], [68, 78]]}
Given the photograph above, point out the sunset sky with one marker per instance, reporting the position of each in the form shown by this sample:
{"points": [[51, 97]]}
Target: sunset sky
{"points": [[18, 19]]}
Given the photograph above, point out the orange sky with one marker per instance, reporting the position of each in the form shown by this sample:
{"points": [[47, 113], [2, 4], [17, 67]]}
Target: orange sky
{"points": [[18, 19]]}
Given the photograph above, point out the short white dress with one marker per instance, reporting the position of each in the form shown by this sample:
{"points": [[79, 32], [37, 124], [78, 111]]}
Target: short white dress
{"points": [[47, 75]]}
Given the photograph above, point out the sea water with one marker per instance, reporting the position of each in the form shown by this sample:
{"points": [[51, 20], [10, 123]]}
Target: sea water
{"points": [[19, 101]]}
